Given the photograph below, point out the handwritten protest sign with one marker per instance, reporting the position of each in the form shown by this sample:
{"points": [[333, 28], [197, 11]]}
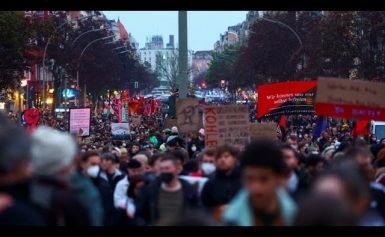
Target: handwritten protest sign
{"points": [[79, 122], [120, 131], [169, 123], [187, 115], [350, 99], [227, 124], [136, 120], [263, 130]]}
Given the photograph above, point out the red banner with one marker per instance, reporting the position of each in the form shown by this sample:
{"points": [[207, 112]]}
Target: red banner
{"points": [[286, 98]]}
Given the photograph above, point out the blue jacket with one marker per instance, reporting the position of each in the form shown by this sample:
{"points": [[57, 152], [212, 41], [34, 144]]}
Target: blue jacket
{"points": [[239, 212]]}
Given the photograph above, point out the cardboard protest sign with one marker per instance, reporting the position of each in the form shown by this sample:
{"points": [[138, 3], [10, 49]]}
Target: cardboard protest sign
{"points": [[187, 115], [345, 98], [169, 123], [228, 124], [263, 130]]}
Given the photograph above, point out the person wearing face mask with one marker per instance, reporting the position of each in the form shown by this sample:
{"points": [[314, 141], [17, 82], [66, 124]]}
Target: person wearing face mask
{"points": [[193, 146], [89, 168], [167, 197], [206, 164]]}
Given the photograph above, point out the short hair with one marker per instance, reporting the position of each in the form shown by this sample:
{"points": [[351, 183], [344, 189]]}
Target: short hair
{"points": [[288, 147], [154, 158], [179, 155], [89, 154], [226, 148], [351, 176], [264, 154], [313, 160], [353, 152], [111, 157], [324, 210], [168, 156]]}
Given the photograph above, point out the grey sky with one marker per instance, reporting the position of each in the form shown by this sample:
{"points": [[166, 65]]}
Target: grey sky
{"points": [[204, 27]]}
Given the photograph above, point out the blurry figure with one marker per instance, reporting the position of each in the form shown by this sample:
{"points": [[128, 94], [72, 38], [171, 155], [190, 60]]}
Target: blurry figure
{"points": [[127, 205], [135, 149], [206, 161], [16, 208], [379, 165], [324, 210], [263, 201], [143, 159], [154, 168], [225, 183], [293, 141], [347, 183], [53, 167], [195, 145], [167, 197], [298, 180], [82, 182], [373, 139], [106, 181]]}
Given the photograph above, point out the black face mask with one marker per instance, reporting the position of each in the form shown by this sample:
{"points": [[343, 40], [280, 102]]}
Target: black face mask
{"points": [[166, 177]]}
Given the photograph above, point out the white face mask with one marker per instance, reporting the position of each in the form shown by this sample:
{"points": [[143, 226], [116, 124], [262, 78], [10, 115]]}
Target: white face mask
{"points": [[93, 171], [193, 148], [208, 168]]}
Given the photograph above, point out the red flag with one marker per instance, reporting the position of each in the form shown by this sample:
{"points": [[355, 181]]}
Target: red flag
{"points": [[282, 122], [361, 128]]}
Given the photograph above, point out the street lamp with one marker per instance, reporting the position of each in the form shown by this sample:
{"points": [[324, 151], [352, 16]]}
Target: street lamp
{"points": [[84, 33], [85, 48], [45, 53]]}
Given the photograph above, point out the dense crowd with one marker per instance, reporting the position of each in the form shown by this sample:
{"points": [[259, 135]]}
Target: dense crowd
{"points": [[162, 177]]}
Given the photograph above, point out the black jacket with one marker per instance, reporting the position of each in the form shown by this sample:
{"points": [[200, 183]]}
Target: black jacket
{"points": [[147, 201], [106, 190], [58, 203], [22, 212], [221, 188]]}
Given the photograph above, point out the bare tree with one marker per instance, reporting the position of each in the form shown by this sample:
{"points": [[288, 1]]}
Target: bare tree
{"points": [[167, 68]]}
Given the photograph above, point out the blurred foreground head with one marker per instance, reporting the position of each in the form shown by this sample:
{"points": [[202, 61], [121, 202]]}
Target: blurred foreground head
{"points": [[14, 152], [53, 152]]}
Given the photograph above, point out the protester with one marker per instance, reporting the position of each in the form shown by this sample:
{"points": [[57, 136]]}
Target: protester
{"points": [[16, 208], [52, 167], [224, 185], [206, 164], [263, 200], [168, 197]]}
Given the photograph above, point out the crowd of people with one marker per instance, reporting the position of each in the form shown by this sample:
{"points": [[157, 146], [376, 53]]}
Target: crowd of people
{"points": [[162, 177]]}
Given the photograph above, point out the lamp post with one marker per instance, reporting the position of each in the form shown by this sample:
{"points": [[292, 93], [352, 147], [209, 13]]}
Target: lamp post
{"points": [[84, 49], [45, 53]]}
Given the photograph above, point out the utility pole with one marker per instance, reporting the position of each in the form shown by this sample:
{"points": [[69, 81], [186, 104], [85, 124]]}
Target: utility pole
{"points": [[183, 54]]}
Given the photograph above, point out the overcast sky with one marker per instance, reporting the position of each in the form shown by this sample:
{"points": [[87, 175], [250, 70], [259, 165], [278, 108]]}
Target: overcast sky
{"points": [[204, 27]]}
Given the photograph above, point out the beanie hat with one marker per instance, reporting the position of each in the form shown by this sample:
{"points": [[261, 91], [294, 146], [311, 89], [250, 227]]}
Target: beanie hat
{"points": [[171, 140], [52, 151], [123, 150]]}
